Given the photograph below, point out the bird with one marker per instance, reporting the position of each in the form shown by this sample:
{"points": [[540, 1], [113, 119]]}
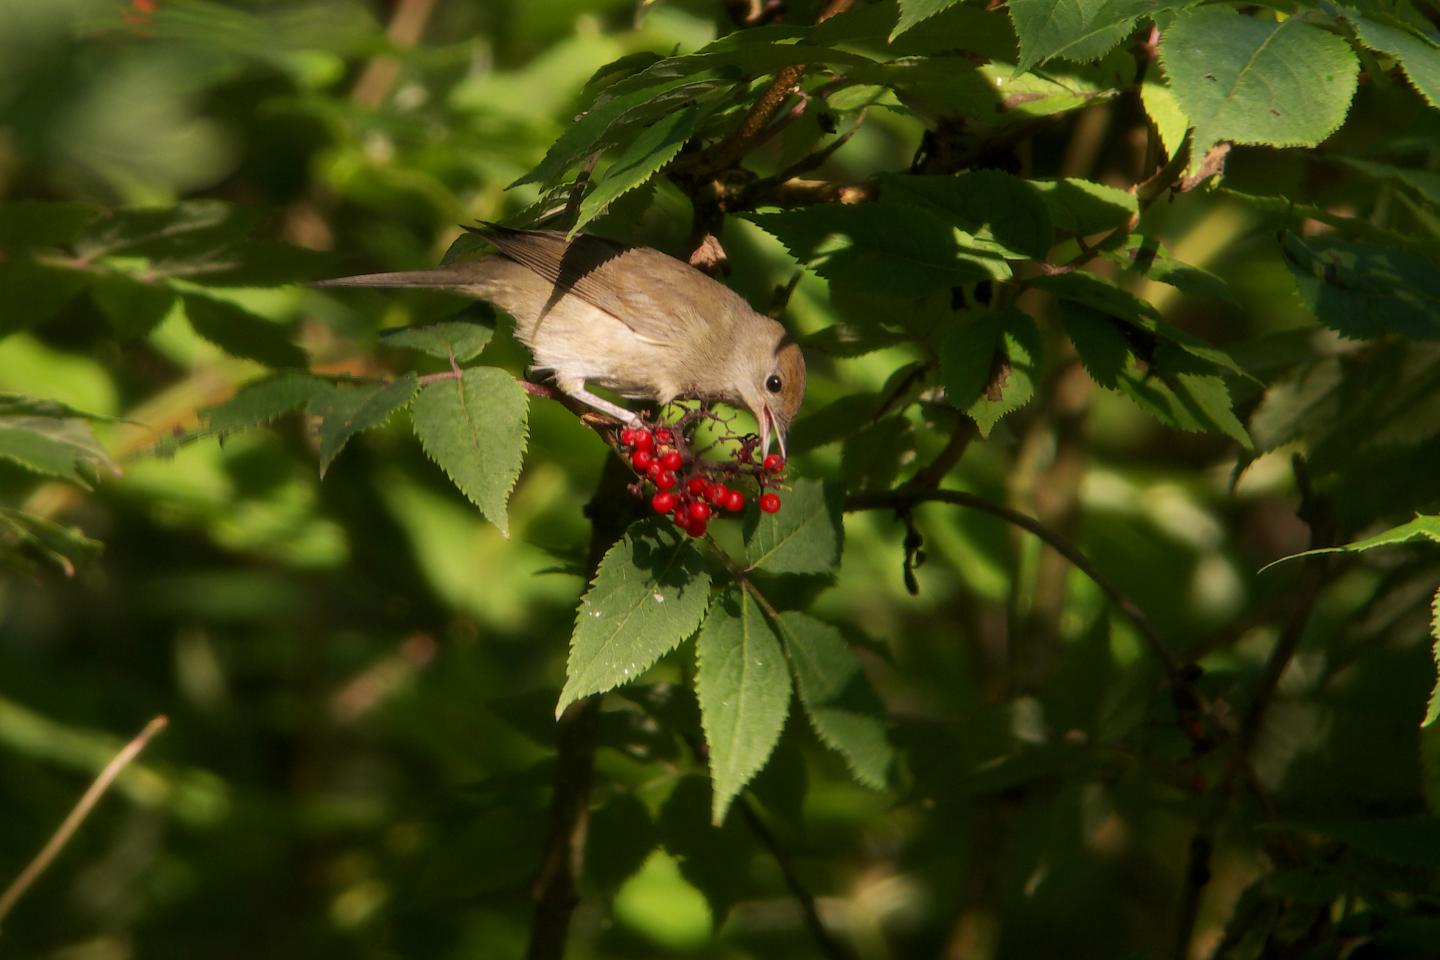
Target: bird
{"points": [[596, 312]]}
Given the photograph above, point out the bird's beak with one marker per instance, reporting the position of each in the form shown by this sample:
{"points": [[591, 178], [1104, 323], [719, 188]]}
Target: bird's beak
{"points": [[768, 424]]}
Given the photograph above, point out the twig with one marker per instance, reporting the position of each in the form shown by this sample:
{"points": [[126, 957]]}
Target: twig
{"points": [[901, 500], [71, 823], [784, 84], [404, 31], [824, 939], [1197, 876]]}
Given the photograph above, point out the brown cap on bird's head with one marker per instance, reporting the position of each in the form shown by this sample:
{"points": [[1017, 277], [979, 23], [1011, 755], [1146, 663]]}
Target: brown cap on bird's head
{"points": [[784, 392]]}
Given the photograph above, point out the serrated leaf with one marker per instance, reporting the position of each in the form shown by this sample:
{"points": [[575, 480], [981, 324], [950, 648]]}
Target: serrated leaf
{"points": [[1364, 290], [743, 685], [344, 411], [1148, 258], [649, 594], [1082, 207], [1164, 111], [642, 158], [1257, 80], [449, 339], [61, 447], [161, 233], [1075, 29], [1101, 346], [241, 333], [1423, 527], [1432, 709], [893, 250], [1002, 214], [1105, 297], [262, 401], [838, 699], [637, 101], [28, 224], [133, 307], [1417, 55], [1181, 392], [918, 11], [805, 536], [715, 860], [476, 428], [32, 293], [1001, 353]]}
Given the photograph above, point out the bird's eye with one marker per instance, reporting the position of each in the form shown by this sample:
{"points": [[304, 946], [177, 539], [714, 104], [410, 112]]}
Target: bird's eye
{"points": [[773, 383]]}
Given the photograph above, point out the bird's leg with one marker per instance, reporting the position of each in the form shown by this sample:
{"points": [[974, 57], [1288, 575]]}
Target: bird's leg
{"points": [[577, 390]]}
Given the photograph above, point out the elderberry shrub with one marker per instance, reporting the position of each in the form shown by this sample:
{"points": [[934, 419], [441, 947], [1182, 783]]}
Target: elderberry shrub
{"points": [[688, 486]]}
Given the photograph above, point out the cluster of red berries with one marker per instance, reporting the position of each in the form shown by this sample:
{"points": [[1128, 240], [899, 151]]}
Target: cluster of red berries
{"points": [[653, 455]]}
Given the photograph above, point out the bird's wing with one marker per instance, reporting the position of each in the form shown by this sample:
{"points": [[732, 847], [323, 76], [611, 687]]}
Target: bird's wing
{"points": [[604, 274]]}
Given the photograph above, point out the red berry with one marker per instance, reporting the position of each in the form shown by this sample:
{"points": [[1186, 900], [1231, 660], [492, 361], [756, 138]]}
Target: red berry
{"points": [[665, 481], [641, 459], [696, 528], [654, 471], [672, 460], [643, 440], [699, 511], [697, 486], [717, 493], [663, 502], [769, 502], [774, 463], [664, 435], [734, 501], [627, 437]]}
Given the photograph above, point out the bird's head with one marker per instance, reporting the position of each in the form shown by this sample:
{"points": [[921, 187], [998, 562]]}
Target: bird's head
{"points": [[773, 389]]}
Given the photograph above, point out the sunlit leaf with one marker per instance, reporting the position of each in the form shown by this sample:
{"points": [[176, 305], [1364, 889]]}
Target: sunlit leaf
{"points": [[805, 536], [343, 411]]}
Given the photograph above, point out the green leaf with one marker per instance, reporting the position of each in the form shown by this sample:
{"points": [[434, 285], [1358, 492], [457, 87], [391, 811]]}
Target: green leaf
{"points": [[1148, 258], [620, 835], [1423, 527], [875, 453], [1256, 80], [918, 11], [25, 537], [344, 411], [1003, 214], [850, 340], [1081, 207], [1164, 111], [62, 447], [1362, 290], [31, 293], [162, 233], [743, 686], [649, 594], [1075, 29], [28, 224], [805, 536], [1417, 55], [716, 860], [476, 429], [1098, 341], [1182, 392], [638, 101], [989, 365], [838, 699], [241, 333], [133, 307], [1432, 709], [1423, 183], [262, 401], [641, 159], [1105, 297], [888, 249], [449, 339]]}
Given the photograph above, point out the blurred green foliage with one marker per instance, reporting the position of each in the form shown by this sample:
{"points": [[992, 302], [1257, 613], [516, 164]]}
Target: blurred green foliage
{"points": [[361, 674]]}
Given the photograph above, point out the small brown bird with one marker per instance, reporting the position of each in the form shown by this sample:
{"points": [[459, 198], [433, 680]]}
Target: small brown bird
{"points": [[631, 319]]}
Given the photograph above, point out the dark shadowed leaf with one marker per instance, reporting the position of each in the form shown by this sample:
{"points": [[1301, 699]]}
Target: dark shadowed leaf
{"points": [[1082, 207], [262, 401], [241, 333], [1004, 214], [837, 697], [133, 307], [31, 293], [28, 224], [343, 411], [1364, 290], [715, 859]]}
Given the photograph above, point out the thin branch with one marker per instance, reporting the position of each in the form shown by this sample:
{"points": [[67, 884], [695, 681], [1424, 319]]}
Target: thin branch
{"points": [[1197, 877], [902, 500], [824, 939], [77, 816], [404, 31]]}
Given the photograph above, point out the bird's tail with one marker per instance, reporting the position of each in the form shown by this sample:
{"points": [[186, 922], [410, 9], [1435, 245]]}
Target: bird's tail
{"points": [[455, 275]]}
